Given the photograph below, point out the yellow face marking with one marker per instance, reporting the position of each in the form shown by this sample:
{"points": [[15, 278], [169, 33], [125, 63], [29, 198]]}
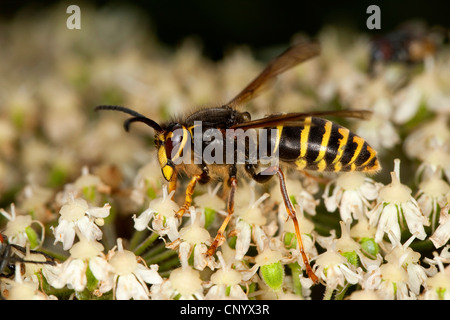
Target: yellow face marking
{"points": [[304, 137], [167, 172], [325, 139], [360, 142], [162, 157], [277, 142], [342, 143]]}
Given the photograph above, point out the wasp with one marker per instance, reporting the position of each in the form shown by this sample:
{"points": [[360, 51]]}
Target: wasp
{"points": [[11, 253], [304, 141]]}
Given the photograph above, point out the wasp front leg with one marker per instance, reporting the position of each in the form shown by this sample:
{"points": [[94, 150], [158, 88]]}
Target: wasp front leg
{"points": [[201, 178], [220, 236]]}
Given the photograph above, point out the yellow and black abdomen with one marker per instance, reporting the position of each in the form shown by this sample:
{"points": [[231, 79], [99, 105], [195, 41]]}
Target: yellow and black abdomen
{"points": [[322, 145]]}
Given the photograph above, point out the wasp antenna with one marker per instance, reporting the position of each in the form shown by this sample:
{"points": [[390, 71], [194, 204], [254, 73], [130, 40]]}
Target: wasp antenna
{"points": [[119, 108], [136, 117], [143, 119]]}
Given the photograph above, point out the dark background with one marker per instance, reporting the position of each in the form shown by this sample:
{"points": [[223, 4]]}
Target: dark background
{"points": [[220, 24]]}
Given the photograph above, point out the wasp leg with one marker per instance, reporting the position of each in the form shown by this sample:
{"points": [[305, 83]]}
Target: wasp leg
{"points": [[201, 178], [292, 214], [173, 184], [264, 176], [220, 236]]}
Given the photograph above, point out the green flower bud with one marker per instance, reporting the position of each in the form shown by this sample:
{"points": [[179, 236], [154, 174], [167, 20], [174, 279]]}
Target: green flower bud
{"points": [[273, 275], [352, 257], [369, 246]]}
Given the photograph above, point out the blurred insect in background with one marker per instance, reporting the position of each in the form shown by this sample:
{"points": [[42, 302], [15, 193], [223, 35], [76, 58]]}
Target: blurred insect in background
{"points": [[303, 141], [10, 254], [409, 45]]}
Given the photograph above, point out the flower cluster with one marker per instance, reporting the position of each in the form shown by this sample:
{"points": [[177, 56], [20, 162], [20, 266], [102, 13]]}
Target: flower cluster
{"points": [[86, 213]]}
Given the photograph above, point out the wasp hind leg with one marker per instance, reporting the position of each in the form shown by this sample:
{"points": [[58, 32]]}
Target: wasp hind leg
{"points": [[265, 176]]}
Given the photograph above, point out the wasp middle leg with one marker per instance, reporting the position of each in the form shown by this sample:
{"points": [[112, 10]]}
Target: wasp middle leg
{"points": [[220, 236]]}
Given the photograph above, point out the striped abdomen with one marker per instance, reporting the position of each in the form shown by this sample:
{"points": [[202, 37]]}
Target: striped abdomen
{"points": [[322, 145]]}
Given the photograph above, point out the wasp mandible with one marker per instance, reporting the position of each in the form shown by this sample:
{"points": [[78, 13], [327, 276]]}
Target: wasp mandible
{"points": [[300, 140]]}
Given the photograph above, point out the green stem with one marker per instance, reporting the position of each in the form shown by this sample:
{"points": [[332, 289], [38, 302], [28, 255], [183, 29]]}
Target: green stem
{"points": [[340, 294], [296, 271], [136, 239], [328, 293], [146, 243], [161, 257], [168, 265], [154, 250]]}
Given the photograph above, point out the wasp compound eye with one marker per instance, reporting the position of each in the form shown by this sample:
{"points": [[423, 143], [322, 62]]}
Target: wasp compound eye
{"points": [[175, 142]]}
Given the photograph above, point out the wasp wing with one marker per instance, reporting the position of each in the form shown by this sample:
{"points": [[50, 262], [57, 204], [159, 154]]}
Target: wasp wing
{"points": [[288, 59], [297, 118]]}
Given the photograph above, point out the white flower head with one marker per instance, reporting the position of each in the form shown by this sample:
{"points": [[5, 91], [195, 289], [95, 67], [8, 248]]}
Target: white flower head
{"points": [[298, 194], [162, 210], [18, 229], [73, 272], [335, 270], [21, 289], [226, 282], [442, 234], [432, 196], [438, 285], [195, 240], [250, 220], [77, 215], [395, 203], [130, 277], [408, 259], [352, 194]]}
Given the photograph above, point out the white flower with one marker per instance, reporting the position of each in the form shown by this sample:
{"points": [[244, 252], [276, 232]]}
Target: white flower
{"points": [[162, 210], [130, 277], [248, 225], [438, 285], [194, 241], [226, 282], [76, 214], [146, 183], [18, 229], [389, 280], [427, 87], [394, 204], [442, 234], [408, 259], [83, 255], [306, 231], [352, 194], [21, 289], [298, 195], [87, 186], [335, 270], [348, 247], [430, 143], [432, 195]]}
